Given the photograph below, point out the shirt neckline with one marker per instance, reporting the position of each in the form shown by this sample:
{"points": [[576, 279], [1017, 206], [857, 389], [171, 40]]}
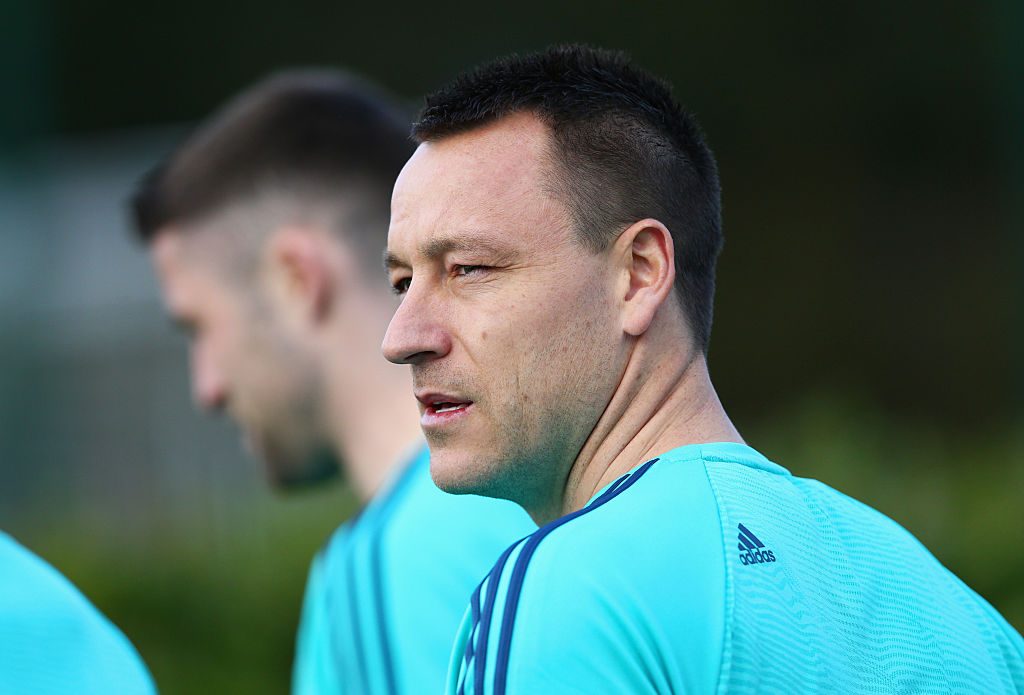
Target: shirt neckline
{"points": [[726, 452]]}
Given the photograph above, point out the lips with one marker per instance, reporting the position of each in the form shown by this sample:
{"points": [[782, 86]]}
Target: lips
{"points": [[447, 407], [441, 408]]}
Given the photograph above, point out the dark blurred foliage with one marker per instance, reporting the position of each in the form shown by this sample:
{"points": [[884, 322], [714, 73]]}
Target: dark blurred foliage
{"points": [[870, 294], [208, 614], [218, 615]]}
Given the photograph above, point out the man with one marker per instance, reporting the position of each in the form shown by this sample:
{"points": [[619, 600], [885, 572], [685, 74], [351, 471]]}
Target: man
{"points": [[53, 641], [554, 239], [261, 227]]}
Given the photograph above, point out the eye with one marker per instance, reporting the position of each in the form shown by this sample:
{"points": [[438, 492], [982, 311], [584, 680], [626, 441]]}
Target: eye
{"points": [[401, 286], [467, 269]]}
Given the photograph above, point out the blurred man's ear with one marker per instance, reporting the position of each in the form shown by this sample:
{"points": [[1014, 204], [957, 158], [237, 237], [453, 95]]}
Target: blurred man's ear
{"points": [[300, 271], [647, 254]]}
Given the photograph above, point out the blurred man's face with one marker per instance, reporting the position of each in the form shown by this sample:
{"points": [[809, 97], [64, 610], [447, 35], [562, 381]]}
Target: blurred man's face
{"points": [[242, 362], [509, 323]]}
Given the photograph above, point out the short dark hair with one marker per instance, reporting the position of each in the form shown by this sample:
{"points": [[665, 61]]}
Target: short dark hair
{"points": [[299, 131], [624, 149]]}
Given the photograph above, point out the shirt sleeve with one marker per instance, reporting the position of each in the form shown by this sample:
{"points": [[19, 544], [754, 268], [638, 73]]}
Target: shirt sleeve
{"points": [[314, 671]]}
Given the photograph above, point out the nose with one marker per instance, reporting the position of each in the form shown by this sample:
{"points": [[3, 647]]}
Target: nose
{"points": [[209, 389], [415, 335]]}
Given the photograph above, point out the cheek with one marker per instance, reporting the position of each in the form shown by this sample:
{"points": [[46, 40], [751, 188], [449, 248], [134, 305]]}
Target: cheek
{"points": [[551, 348], [510, 340], [574, 319], [248, 367]]}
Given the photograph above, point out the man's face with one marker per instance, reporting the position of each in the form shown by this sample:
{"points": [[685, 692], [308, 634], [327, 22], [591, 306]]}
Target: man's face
{"points": [[241, 360], [509, 323]]}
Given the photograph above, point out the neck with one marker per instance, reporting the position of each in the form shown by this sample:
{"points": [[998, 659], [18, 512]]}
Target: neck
{"points": [[374, 417], [646, 416]]}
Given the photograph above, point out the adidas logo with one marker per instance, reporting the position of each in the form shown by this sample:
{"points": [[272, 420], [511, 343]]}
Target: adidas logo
{"points": [[752, 550]]}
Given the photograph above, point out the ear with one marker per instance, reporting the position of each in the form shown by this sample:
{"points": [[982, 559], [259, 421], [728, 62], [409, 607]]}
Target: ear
{"points": [[647, 255], [299, 265]]}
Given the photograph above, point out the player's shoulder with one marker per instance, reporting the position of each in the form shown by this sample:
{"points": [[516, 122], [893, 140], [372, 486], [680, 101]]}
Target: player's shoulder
{"points": [[54, 636], [606, 581], [29, 584], [336, 541], [26, 571], [663, 517], [666, 502], [371, 521]]}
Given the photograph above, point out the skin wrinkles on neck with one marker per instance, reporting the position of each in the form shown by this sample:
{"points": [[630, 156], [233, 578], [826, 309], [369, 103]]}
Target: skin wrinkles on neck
{"points": [[664, 400]]}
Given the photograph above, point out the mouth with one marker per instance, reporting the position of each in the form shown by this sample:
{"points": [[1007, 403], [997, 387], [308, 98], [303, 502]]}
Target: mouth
{"points": [[440, 409]]}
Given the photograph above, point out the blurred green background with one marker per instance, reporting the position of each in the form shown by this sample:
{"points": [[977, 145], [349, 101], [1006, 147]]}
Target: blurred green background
{"points": [[871, 293]]}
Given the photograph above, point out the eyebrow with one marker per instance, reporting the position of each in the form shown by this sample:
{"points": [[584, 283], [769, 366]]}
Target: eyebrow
{"points": [[391, 261], [468, 242]]}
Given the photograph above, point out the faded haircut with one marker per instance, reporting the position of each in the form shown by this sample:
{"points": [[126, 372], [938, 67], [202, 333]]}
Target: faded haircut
{"points": [[319, 140]]}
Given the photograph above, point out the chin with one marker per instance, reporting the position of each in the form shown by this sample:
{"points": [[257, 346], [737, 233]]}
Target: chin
{"points": [[461, 472], [290, 473]]}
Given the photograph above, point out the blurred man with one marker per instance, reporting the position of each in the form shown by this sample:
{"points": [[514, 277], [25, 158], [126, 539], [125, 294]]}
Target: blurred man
{"points": [[266, 229], [53, 641], [554, 239]]}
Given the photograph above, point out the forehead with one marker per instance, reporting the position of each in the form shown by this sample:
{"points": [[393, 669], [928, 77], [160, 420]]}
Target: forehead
{"points": [[491, 180]]}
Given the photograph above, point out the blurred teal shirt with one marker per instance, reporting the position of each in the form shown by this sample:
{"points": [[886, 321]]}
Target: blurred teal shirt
{"points": [[711, 569], [53, 641], [385, 596]]}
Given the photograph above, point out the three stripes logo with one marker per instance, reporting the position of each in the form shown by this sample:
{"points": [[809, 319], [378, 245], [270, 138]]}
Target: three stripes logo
{"points": [[752, 550]]}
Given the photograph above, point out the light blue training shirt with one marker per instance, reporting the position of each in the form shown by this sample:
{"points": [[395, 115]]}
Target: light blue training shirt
{"points": [[712, 570], [53, 641], [386, 594]]}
